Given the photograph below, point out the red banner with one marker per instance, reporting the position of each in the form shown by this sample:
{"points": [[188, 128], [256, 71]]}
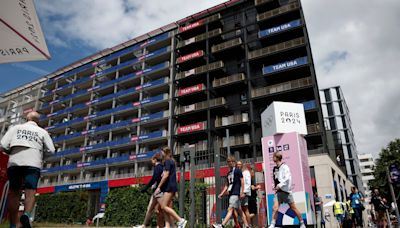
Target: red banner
{"points": [[191, 26], [191, 128], [190, 56], [191, 89]]}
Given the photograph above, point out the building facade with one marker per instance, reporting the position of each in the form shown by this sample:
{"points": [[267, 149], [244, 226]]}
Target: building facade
{"points": [[367, 165], [186, 83], [337, 120]]}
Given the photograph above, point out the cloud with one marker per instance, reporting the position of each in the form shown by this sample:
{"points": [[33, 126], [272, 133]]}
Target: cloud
{"points": [[355, 45], [30, 68], [102, 23]]}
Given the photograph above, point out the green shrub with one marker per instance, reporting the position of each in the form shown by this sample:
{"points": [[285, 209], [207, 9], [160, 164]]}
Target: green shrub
{"points": [[63, 207], [125, 206]]}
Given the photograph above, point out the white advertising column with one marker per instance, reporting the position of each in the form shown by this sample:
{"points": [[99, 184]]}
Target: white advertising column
{"points": [[284, 127]]}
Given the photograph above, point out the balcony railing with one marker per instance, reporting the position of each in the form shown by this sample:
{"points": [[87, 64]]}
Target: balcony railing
{"points": [[235, 140], [278, 11], [226, 45], [281, 87], [200, 70], [277, 48], [121, 124], [313, 128], [230, 120], [201, 105], [228, 80], [112, 56], [199, 146], [199, 38], [260, 2]]}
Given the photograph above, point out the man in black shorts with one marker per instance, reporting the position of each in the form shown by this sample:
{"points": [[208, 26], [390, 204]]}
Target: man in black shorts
{"points": [[283, 189], [25, 143]]}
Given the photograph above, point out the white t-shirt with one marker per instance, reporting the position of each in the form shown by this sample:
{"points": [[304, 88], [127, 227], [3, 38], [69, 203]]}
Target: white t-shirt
{"points": [[27, 142]]}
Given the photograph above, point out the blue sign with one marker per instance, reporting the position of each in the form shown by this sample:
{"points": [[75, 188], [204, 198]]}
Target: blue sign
{"points": [[285, 65], [280, 28], [73, 187], [394, 174]]}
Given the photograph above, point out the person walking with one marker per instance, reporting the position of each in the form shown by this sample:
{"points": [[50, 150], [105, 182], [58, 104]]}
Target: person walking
{"points": [[169, 190], [338, 211], [253, 198], [26, 144], [380, 208], [244, 203], [283, 189], [234, 187], [318, 209], [153, 183], [357, 204]]}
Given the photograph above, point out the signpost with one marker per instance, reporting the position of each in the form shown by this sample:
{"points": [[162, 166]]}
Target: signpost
{"points": [[283, 128]]}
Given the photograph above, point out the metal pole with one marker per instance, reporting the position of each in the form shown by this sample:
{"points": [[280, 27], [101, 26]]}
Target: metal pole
{"points": [[388, 217], [393, 195], [182, 182], [217, 165], [228, 142], [191, 193]]}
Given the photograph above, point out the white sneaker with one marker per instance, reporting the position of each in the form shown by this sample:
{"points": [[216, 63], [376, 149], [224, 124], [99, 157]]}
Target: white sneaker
{"points": [[272, 226], [182, 223], [302, 225], [216, 225]]}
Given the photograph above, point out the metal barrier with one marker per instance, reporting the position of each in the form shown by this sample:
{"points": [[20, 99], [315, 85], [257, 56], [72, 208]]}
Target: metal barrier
{"points": [[198, 201]]}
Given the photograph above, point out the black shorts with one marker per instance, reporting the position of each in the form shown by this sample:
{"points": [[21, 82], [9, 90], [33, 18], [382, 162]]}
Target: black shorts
{"points": [[252, 205], [23, 177]]}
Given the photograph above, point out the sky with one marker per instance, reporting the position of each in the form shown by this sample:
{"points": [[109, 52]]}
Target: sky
{"points": [[354, 44]]}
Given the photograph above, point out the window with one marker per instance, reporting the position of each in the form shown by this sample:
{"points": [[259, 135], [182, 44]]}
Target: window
{"points": [[332, 123], [330, 109], [327, 95]]}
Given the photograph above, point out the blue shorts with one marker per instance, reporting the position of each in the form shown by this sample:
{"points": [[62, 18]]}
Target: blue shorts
{"points": [[23, 177]]}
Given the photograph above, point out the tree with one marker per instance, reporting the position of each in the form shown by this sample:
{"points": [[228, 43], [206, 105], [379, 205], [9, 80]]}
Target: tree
{"points": [[388, 156]]}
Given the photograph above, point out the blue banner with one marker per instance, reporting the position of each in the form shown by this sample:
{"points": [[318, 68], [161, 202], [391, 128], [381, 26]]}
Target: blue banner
{"points": [[73, 187], [285, 65], [280, 28]]}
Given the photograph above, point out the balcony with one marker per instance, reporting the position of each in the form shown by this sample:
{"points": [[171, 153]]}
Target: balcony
{"points": [[200, 105], [238, 140], [228, 80], [281, 87], [199, 38], [196, 127], [261, 2], [313, 128], [226, 45], [199, 146], [199, 23], [278, 11], [277, 48], [199, 70], [231, 120]]}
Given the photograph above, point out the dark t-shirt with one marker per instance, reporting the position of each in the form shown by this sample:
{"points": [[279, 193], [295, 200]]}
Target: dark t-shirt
{"points": [[317, 200], [170, 185], [234, 182], [376, 200], [156, 178], [253, 191]]}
